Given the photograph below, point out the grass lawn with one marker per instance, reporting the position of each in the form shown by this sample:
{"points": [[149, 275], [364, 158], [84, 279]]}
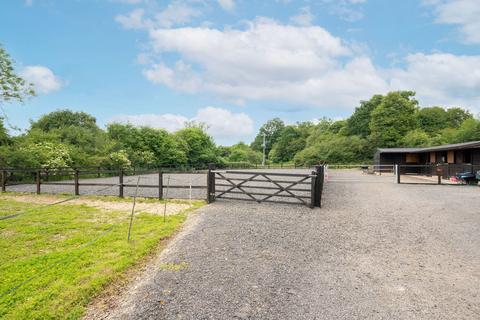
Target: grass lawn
{"points": [[55, 259]]}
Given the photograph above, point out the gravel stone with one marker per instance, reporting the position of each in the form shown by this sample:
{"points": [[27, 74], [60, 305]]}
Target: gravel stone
{"points": [[375, 250]]}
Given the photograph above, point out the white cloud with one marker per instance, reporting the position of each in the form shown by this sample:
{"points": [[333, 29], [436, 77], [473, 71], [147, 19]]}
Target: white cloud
{"points": [[303, 18], [43, 79], [221, 123], [176, 13], [441, 79], [347, 10], [463, 13], [297, 64], [265, 61], [228, 5], [134, 20]]}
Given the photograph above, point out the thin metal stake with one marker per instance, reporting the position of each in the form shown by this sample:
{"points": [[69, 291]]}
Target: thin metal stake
{"points": [[166, 199], [133, 209]]}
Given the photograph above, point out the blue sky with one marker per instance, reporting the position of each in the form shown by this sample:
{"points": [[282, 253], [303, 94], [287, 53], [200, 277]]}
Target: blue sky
{"points": [[234, 64]]}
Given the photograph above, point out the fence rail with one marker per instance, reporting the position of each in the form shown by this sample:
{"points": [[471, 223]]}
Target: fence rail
{"points": [[257, 185], [72, 178]]}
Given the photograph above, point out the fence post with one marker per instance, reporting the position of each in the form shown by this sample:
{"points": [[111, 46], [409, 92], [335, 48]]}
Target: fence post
{"points": [[211, 183], [397, 170], [98, 172], [4, 180], [120, 184], [47, 174], [38, 181], [318, 186], [160, 185], [77, 187]]}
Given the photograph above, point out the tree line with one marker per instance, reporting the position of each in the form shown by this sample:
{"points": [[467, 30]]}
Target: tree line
{"points": [[65, 138], [384, 121]]}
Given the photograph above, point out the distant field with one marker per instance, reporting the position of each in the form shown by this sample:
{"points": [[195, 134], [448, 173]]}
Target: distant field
{"points": [[54, 259]]}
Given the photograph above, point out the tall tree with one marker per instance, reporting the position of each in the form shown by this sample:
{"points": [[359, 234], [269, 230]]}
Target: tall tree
{"points": [[468, 131], [12, 86], [65, 118], [4, 138], [393, 118], [359, 121], [432, 120], [146, 146], [197, 145], [272, 130], [456, 116], [292, 139]]}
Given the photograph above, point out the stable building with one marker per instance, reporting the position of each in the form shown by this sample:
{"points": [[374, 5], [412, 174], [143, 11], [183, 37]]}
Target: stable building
{"points": [[459, 153], [459, 157]]}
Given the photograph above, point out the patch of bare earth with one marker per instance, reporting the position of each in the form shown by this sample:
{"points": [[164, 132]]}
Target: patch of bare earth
{"points": [[104, 205]]}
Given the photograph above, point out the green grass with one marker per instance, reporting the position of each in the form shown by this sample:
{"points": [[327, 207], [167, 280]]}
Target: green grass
{"points": [[61, 256]]}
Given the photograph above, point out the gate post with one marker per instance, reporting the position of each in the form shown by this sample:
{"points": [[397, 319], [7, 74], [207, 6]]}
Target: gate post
{"points": [[319, 175], [120, 184], [211, 183], [4, 180], [397, 170], [160, 185], [37, 179], [77, 189]]}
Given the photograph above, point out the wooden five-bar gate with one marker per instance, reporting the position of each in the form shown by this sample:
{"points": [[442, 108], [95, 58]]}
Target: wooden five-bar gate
{"points": [[288, 188]]}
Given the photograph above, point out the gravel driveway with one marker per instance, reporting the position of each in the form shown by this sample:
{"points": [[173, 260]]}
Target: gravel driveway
{"points": [[376, 250]]}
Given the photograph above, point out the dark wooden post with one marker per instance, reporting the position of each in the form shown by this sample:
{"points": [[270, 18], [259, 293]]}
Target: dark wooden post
{"points": [[98, 172], [38, 181], [211, 183], [313, 182], [397, 169], [319, 176], [4, 180], [120, 184], [47, 174], [77, 187], [160, 185]]}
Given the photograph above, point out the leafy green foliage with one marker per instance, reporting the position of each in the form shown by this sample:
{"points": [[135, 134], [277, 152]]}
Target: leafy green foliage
{"points": [[63, 119], [241, 152], [432, 120], [468, 131], [416, 138], [332, 148], [4, 138], [12, 86], [118, 160], [198, 147], [147, 147], [292, 140], [272, 130], [393, 118], [359, 121]]}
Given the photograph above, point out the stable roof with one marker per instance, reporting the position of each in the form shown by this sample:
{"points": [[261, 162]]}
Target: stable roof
{"points": [[445, 147]]}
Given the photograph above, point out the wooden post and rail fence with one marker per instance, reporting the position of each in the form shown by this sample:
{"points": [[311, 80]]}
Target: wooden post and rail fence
{"points": [[250, 185]]}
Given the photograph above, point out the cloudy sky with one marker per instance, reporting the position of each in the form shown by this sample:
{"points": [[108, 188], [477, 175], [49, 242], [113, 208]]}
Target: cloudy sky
{"points": [[233, 64]]}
